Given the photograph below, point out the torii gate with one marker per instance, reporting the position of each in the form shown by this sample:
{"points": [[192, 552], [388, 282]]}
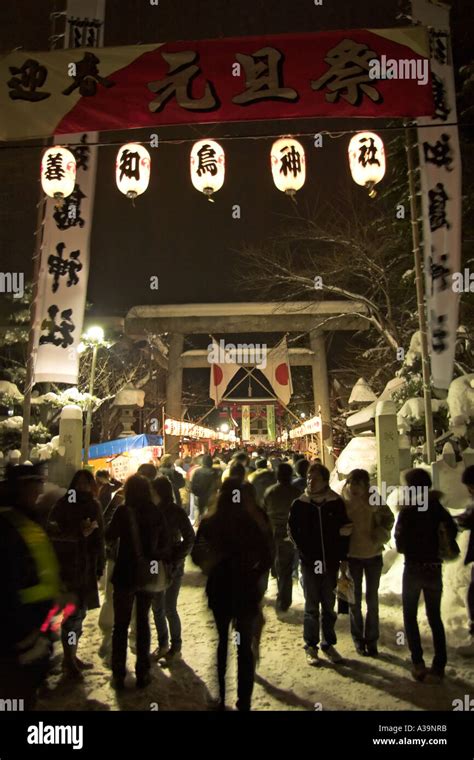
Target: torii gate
{"points": [[314, 318]]}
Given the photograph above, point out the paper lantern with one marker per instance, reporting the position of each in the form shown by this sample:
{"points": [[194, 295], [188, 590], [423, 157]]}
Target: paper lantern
{"points": [[207, 165], [132, 169], [367, 160], [58, 172], [288, 165]]}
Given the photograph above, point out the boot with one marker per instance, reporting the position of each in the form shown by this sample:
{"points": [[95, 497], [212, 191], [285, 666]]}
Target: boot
{"points": [[70, 667]]}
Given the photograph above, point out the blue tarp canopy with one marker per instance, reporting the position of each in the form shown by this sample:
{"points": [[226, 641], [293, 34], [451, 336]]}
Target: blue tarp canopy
{"points": [[112, 448]]}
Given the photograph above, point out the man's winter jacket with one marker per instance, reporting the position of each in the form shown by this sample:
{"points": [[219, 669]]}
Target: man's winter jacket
{"points": [[320, 528], [176, 480], [204, 485], [180, 532], [417, 530], [466, 522], [261, 479], [152, 537], [277, 503]]}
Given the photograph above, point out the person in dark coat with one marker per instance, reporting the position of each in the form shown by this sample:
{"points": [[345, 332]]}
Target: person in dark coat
{"points": [[29, 587], [165, 603], [168, 469], [76, 528], [320, 528], [205, 484], [301, 469], [277, 503], [261, 479], [141, 528], [417, 536], [232, 550], [466, 522]]}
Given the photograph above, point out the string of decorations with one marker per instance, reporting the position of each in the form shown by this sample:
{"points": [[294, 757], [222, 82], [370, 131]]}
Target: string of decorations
{"points": [[333, 134], [207, 166]]}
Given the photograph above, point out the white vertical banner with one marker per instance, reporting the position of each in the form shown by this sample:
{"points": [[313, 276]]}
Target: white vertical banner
{"points": [[440, 171], [65, 252], [245, 427]]}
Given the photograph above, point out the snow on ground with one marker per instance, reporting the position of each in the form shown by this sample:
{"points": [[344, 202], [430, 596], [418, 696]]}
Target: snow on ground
{"points": [[284, 681]]}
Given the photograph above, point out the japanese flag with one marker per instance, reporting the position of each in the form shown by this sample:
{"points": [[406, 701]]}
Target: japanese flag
{"points": [[277, 372], [221, 373]]}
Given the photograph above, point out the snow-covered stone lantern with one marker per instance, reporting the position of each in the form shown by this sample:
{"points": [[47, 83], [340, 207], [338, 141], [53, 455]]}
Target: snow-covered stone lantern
{"points": [[367, 160], [207, 165], [132, 169], [58, 172], [128, 399], [288, 165]]}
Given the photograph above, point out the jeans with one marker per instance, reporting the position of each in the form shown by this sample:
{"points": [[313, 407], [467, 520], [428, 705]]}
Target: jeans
{"points": [[123, 604], [244, 631], [429, 579], [470, 603], [165, 611], [284, 560], [372, 568], [319, 589], [73, 625]]}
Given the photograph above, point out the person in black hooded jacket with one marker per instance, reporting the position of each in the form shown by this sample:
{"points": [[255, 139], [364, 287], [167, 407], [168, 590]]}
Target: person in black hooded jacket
{"points": [[319, 527], [76, 528], [418, 534], [142, 531], [233, 551]]}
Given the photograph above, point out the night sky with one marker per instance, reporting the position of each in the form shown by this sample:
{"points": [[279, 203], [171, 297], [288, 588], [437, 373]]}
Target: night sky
{"points": [[173, 231]]}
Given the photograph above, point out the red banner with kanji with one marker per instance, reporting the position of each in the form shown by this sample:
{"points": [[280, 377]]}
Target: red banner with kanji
{"points": [[348, 73]]}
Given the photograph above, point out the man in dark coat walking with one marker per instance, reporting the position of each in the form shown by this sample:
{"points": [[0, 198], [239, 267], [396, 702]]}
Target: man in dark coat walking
{"points": [[320, 528]]}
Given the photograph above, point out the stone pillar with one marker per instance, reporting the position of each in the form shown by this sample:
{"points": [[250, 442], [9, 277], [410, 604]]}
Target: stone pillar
{"points": [[174, 387], [388, 463], [70, 444], [321, 390]]}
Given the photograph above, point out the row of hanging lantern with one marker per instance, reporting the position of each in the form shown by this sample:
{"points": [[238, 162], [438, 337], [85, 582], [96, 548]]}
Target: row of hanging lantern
{"points": [[207, 165]]}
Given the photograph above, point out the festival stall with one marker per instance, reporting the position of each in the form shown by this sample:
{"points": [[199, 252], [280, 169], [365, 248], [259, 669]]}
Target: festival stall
{"points": [[306, 438], [124, 456], [195, 439]]}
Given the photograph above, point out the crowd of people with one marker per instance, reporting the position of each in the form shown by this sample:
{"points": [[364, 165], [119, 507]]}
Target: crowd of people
{"points": [[240, 517]]}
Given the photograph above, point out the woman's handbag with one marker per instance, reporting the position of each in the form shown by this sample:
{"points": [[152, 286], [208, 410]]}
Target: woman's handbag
{"points": [[345, 589], [152, 574]]}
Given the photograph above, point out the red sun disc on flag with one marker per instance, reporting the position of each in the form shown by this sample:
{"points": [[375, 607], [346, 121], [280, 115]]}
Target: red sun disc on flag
{"points": [[218, 374], [281, 374]]}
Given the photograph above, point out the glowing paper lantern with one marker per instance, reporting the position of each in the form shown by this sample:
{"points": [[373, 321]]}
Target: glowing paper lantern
{"points": [[58, 172], [207, 165], [288, 165], [132, 169], [367, 160]]}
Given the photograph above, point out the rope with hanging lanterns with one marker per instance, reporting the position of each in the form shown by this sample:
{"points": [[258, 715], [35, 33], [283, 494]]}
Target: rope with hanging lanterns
{"points": [[207, 166]]}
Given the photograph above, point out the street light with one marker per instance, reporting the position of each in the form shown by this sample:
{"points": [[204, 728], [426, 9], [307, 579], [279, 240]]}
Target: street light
{"points": [[224, 427], [93, 338]]}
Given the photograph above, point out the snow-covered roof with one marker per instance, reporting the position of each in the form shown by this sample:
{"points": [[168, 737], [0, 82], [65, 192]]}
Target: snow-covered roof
{"points": [[361, 392], [362, 419]]}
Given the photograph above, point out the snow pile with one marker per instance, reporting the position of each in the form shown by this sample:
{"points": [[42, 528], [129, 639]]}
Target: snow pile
{"points": [[360, 452], [10, 390], [12, 423], [461, 402], [69, 396], [44, 451], [413, 410], [414, 350]]}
